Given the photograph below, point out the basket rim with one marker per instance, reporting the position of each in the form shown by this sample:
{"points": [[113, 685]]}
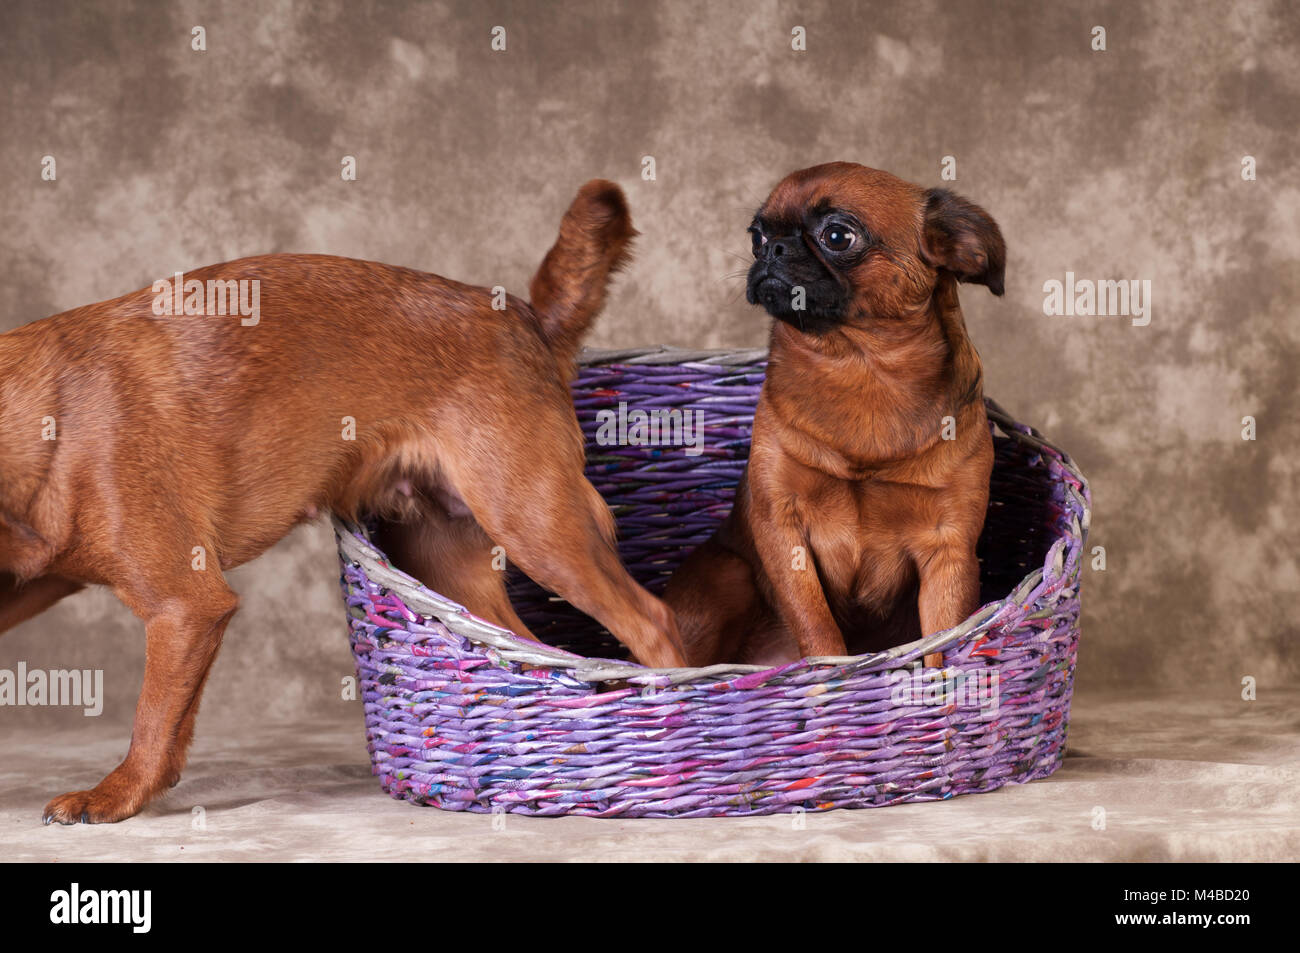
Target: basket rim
{"points": [[354, 545]]}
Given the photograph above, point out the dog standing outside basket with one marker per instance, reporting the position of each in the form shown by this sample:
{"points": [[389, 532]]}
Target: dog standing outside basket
{"points": [[463, 715]]}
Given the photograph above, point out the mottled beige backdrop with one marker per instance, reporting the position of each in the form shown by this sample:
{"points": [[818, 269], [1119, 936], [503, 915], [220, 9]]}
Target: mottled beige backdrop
{"points": [[1124, 163]]}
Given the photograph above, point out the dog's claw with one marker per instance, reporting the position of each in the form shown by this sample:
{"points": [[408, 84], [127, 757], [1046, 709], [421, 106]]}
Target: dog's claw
{"points": [[86, 807], [46, 820]]}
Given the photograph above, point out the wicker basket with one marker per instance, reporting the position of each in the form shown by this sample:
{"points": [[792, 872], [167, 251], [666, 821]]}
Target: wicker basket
{"points": [[466, 716]]}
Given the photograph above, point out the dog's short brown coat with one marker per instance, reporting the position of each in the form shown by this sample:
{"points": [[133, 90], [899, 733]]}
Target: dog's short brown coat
{"points": [[175, 437], [856, 521]]}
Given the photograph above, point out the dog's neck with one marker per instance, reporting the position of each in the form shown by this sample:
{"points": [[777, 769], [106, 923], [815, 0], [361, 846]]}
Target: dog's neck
{"points": [[855, 399], [966, 376]]}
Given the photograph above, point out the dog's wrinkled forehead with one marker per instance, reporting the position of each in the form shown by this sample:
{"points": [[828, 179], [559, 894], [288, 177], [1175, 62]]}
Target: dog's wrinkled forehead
{"points": [[889, 207]]}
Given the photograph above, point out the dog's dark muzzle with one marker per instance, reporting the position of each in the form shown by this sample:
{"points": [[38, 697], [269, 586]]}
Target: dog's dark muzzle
{"points": [[769, 290]]}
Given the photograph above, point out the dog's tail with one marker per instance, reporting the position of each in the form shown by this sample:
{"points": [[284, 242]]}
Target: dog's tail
{"points": [[569, 288]]}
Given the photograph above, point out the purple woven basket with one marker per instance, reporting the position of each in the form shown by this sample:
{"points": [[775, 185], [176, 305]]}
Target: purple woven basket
{"points": [[465, 716]]}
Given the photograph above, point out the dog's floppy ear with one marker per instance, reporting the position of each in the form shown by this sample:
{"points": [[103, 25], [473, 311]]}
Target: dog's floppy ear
{"points": [[961, 237]]}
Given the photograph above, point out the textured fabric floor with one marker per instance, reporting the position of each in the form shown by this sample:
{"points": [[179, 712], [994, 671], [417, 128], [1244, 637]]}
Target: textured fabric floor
{"points": [[1177, 779]]}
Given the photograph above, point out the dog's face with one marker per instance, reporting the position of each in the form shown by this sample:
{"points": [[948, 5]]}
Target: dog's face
{"points": [[840, 244]]}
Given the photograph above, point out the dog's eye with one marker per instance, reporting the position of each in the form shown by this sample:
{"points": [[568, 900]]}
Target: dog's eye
{"points": [[758, 238], [838, 237]]}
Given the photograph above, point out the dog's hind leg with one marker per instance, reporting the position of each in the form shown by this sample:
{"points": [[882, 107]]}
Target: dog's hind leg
{"points": [[718, 605], [454, 557], [557, 529], [569, 549], [19, 601]]}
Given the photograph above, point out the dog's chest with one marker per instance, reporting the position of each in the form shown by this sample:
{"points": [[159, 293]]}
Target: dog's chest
{"points": [[859, 535]]}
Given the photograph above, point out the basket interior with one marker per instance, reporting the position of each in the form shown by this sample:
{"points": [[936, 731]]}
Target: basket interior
{"points": [[667, 502]]}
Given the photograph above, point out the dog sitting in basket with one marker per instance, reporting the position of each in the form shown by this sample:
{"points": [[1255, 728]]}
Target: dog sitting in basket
{"points": [[855, 524]]}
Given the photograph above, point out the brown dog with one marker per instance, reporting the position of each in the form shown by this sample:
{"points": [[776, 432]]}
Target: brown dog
{"points": [[150, 453], [855, 525]]}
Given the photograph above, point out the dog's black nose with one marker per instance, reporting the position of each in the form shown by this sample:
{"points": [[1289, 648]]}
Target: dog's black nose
{"points": [[775, 249]]}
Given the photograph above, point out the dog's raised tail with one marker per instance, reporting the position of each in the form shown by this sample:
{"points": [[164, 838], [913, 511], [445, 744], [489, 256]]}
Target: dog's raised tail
{"points": [[569, 288]]}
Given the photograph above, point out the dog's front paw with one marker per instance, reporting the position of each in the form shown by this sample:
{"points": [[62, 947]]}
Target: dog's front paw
{"points": [[88, 807]]}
